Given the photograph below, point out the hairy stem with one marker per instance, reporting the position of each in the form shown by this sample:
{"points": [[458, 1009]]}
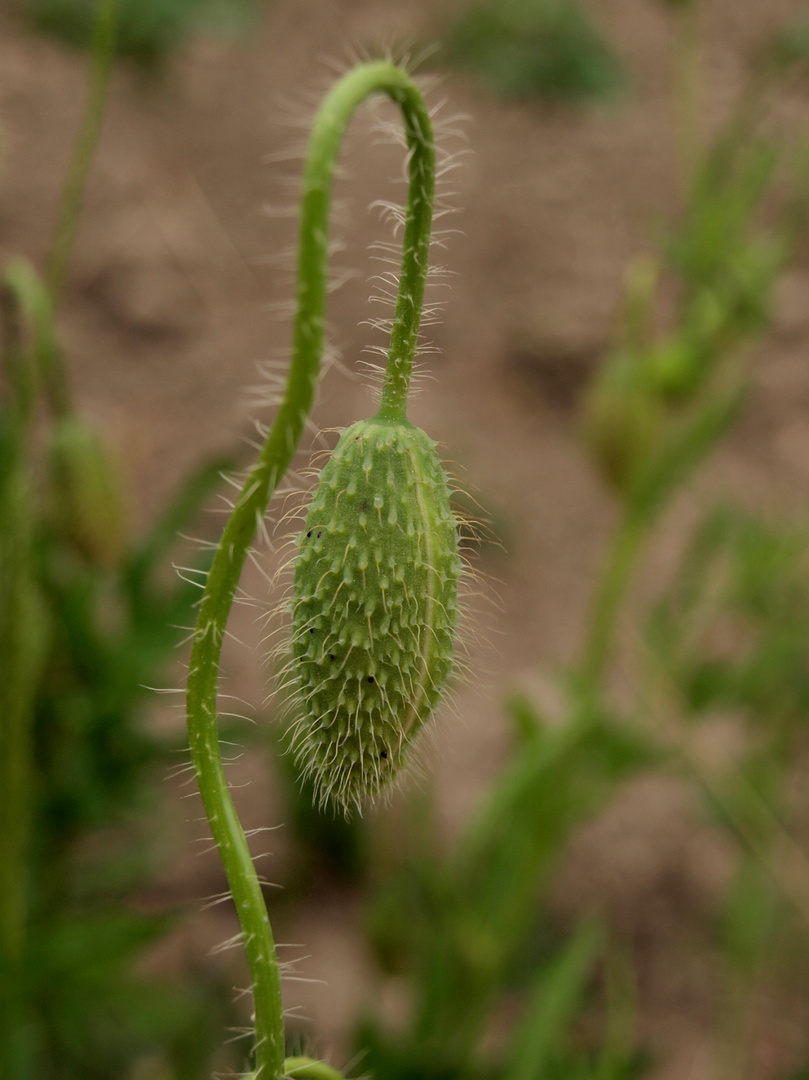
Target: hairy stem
{"points": [[415, 256], [273, 461]]}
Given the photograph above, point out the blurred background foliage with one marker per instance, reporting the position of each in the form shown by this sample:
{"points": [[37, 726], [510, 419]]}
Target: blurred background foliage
{"points": [[147, 29], [90, 622], [549, 49], [496, 982]]}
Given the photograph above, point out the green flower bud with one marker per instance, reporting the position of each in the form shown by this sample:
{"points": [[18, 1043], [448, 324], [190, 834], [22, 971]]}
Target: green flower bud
{"points": [[677, 368], [374, 609]]}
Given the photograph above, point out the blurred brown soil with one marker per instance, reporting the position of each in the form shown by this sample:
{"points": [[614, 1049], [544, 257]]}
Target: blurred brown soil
{"points": [[171, 303]]}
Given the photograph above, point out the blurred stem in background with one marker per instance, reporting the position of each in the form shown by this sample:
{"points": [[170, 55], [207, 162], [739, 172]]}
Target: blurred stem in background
{"points": [[23, 635], [688, 106], [659, 404], [30, 359], [623, 552], [472, 929], [102, 56], [148, 30], [87, 623]]}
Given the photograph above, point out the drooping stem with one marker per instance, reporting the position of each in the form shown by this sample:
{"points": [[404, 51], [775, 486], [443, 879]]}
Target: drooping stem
{"points": [[273, 461], [415, 258]]}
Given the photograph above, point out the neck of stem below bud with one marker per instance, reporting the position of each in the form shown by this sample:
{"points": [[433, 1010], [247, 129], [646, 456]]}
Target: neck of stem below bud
{"points": [[396, 387]]}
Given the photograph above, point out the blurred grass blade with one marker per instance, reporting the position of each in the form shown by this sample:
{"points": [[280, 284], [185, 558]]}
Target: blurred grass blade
{"points": [[554, 1002], [31, 347], [105, 26], [23, 633], [690, 441], [618, 1058]]}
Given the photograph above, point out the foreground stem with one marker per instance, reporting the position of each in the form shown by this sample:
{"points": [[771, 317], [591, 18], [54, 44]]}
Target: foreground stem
{"points": [[273, 461]]}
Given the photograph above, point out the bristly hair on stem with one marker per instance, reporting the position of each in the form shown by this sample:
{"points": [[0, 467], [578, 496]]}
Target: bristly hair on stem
{"points": [[274, 459]]}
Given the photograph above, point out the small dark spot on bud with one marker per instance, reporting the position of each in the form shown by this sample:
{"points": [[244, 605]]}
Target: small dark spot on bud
{"points": [[311, 629], [383, 754], [370, 678], [319, 533], [309, 533], [331, 656]]}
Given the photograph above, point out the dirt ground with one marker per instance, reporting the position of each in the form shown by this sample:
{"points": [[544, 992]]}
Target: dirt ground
{"points": [[176, 293]]}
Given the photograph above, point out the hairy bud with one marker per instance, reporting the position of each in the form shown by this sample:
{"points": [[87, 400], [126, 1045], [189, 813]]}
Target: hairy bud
{"points": [[374, 609]]}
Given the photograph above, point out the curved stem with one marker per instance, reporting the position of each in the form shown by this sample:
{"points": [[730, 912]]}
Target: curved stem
{"points": [[415, 257], [273, 461]]}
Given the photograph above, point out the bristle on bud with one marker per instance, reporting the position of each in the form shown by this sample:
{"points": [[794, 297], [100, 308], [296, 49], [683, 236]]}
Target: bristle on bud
{"points": [[374, 609]]}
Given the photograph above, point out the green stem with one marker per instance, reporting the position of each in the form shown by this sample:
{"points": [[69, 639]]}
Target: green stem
{"points": [[273, 461], [415, 258], [623, 552], [23, 643], [67, 217], [688, 92], [32, 351]]}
